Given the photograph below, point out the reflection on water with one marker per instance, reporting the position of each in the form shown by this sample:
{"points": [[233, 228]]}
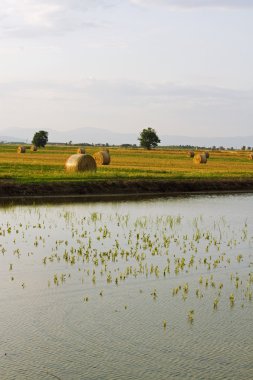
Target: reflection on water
{"points": [[159, 289]]}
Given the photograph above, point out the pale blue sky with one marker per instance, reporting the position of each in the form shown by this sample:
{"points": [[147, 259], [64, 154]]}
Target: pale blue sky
{"points": [[179, 66]]}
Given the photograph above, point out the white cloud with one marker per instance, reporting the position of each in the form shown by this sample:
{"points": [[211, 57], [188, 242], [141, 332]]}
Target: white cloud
{"points": [[33, 17], [188, 4], [129, 93], [28, 18], [126, 105]]}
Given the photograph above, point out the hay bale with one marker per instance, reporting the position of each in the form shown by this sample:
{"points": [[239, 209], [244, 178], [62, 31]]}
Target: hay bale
{"points": [[207, 154], [80, 163], [80, 151], [102, 158], [250, 156], [21, 149], [200, 159], [191, 154], [33, 148]]}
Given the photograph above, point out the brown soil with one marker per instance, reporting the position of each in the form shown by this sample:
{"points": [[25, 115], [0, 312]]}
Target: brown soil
{"points": [[122, 188]]}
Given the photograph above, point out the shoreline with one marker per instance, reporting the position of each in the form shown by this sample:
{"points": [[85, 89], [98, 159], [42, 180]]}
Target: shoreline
{"points": [[119, 189]]}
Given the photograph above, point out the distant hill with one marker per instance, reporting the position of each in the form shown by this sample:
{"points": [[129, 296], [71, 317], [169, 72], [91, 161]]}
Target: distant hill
{"points": [[11, 139], [103, 136], [81, 135], [227, 142]]}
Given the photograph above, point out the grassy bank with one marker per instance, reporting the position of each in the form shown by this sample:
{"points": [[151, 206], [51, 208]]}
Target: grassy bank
{"points": [[47, 165]]}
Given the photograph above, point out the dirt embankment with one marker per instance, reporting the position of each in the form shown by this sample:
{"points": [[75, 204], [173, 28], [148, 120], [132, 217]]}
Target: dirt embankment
{"points": [[122, 187]]}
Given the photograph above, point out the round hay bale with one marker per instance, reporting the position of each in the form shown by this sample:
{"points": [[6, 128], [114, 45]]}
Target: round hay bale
{"points": [[21, 149], [80, 163], [251, 156], [200, 159], [80, 151], [102, 158], [33, 148], [191, 154], [207, 154]]}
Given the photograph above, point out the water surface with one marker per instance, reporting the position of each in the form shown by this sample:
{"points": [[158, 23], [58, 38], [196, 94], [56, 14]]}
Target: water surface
{"points": [[159, 289]]}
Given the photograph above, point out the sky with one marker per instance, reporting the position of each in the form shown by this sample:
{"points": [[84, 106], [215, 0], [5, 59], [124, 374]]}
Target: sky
{"points": [[182, 67]]}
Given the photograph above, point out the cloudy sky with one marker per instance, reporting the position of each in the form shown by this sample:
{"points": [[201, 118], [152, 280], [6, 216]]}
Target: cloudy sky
{"points": [[183, 67]]}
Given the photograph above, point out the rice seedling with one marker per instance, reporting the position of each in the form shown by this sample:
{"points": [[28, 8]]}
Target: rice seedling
{"points": [[154, 294], [232, 299], [191, 316]]}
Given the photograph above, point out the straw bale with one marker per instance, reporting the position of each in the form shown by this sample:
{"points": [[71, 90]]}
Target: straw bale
{"points": [[200, 159], [80, 151], [102, 157], [207, 154], [191, 153], [21, 149], [33, 148], [80, 163], [250, 156]]}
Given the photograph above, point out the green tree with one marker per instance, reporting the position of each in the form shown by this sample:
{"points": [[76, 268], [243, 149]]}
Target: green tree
{"points": [[40, 139], [148, 138]]}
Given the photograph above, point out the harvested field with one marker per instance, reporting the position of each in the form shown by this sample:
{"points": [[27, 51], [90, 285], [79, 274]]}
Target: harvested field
{"points": [[126, 164]]}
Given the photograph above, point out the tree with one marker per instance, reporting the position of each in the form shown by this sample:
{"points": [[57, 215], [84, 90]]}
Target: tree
{"points": [[148, 138], [40, 139]]}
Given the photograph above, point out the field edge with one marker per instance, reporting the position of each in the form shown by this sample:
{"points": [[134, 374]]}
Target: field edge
{"points": [[10, 189]]}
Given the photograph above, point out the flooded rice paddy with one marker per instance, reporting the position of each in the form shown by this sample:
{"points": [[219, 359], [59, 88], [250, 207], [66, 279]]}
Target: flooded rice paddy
{"points": [[157, 289]]}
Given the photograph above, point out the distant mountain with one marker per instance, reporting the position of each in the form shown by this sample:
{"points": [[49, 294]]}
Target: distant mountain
{"points": [[17, 135], [227, 142], [93, 135], [11, 139], [103, 136], [81, 135]]}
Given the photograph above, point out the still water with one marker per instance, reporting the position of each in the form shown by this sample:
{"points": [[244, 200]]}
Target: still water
{"points": [[159, 289]]}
